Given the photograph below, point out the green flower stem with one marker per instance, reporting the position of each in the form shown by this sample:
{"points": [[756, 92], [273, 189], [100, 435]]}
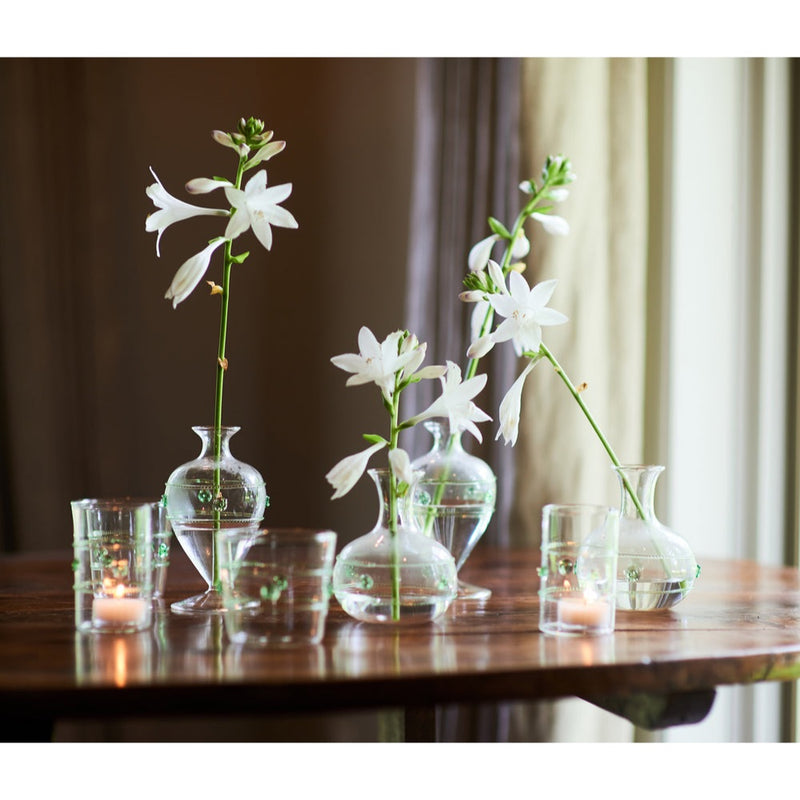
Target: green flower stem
{"points": [[543, 350], [394, 433], [221, 361]]}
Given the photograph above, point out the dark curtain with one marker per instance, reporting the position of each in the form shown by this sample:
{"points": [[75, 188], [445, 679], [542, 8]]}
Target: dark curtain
{"points": [[466, 167], [100, 379]]}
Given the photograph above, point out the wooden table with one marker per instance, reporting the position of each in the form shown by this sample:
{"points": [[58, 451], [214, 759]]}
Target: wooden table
{"points": [[740, 624]]}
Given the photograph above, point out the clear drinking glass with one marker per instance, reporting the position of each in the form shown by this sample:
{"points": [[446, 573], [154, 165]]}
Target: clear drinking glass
{"points": [[276, 584], [578, 569]]}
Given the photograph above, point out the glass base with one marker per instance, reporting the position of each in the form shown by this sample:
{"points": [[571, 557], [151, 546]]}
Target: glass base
{"points": [[209, 602], [467, 591]]}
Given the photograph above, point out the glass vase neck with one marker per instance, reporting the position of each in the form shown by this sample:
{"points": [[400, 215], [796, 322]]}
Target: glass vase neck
{"points": [[443, 435], [641, 480], [206, 434], [390, 514]]}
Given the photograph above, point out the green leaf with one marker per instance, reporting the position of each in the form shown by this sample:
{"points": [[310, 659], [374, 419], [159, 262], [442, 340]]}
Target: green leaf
{"points": [[240, 258], [374, 438], [498, 228]]}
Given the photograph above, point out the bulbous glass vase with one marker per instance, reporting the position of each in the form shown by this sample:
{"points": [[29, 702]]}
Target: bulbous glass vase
{"points": [[206, 495], [656, 567], [454, 499], [394, 574]]}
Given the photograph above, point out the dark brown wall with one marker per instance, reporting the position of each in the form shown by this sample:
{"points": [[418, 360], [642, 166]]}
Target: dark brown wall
{"points": [[101, 378]]}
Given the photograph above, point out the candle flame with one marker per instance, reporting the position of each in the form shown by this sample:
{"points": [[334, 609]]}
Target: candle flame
{"points": [[119, 591]]}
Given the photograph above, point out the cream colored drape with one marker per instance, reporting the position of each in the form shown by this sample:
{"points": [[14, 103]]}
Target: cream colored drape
{"points": [[594, 112]]}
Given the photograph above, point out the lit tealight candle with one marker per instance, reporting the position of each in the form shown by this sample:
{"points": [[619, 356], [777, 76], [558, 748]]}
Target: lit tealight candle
{"points": [[119, 610], [581, 611]]}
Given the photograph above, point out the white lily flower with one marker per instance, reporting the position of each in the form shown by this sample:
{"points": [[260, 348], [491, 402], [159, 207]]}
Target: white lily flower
{"points": [[480, 253], [401, 465], [376, 362], [344, 476], [552, 223], [257, 208], [455, 402], [190, 273], [525, 313], [510, 407], [172, 210]]}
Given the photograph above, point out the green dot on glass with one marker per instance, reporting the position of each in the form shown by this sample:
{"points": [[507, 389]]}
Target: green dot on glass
{"points": [[163, 550], [76, 565], [366, 582], [204, 496], [632, 574], [220, 503], [565, 566]]}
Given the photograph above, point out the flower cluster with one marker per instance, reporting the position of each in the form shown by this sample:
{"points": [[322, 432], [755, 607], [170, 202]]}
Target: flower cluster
{"points": [[501, 288], [255, 207], [393, 365]]}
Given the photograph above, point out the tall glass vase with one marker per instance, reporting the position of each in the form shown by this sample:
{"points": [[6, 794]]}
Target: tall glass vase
{"points": [[205, 495], [394, 574], [656, 567], [454, 498]]}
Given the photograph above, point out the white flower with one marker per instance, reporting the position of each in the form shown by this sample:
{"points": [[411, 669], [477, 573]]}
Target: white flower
{"points": [[480, 252], [510, 407], [204, 185], [559, 194], [552, 223], [525, 312], [190, 273], [172, 210], [257, 208], [401, 465], [376, 362], [478, 318], [521, 246], [344, 476], [455, 402]]}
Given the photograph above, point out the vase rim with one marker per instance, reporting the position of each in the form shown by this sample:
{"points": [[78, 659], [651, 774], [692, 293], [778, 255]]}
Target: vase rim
{"points": [[232, 428], [659, 467]]}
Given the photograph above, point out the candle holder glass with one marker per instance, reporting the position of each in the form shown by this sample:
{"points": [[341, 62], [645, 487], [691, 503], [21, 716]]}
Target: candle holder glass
{"points": [[578, 569], [121, 559]]}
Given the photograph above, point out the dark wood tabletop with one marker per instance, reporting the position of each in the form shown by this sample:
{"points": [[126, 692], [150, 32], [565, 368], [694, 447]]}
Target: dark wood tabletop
{"points": [[740, 624]]}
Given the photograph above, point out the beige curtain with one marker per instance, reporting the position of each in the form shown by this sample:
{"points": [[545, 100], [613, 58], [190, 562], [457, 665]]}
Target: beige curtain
{"points": [[594, 112]]}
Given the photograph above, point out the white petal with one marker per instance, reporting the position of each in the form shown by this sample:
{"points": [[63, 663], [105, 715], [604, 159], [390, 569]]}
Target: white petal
{"points": [[190, 274], [434, 371], [344, 476], [401, 465], [510, 408], [238, 224], [262, 231], [472, 296], [480, 347], [496, 274], [521, 246], [549, 316], [559, 194], [205, 185], [552, 223], [480, 252], [265, 153], [281, 217], [541, 293]]}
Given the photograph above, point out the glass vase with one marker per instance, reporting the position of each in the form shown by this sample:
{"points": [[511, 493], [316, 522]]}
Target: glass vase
{"points": [[454, 499], [656, 567], [394, 574], [210, 493]]}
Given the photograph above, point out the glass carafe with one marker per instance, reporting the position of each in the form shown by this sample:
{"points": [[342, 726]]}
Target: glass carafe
{"points": [[208, 494], [656, 568], [394, 574], [454, 498]]}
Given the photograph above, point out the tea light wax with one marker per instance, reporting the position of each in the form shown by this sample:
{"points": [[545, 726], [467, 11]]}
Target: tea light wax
{"points": [[580, 611], [119, 610]]}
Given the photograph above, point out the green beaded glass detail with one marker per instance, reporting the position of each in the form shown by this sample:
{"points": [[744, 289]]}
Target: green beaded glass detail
{"points": [[366, 581], [204, 496], [271, 592], [566, 566], [632, 574]]}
